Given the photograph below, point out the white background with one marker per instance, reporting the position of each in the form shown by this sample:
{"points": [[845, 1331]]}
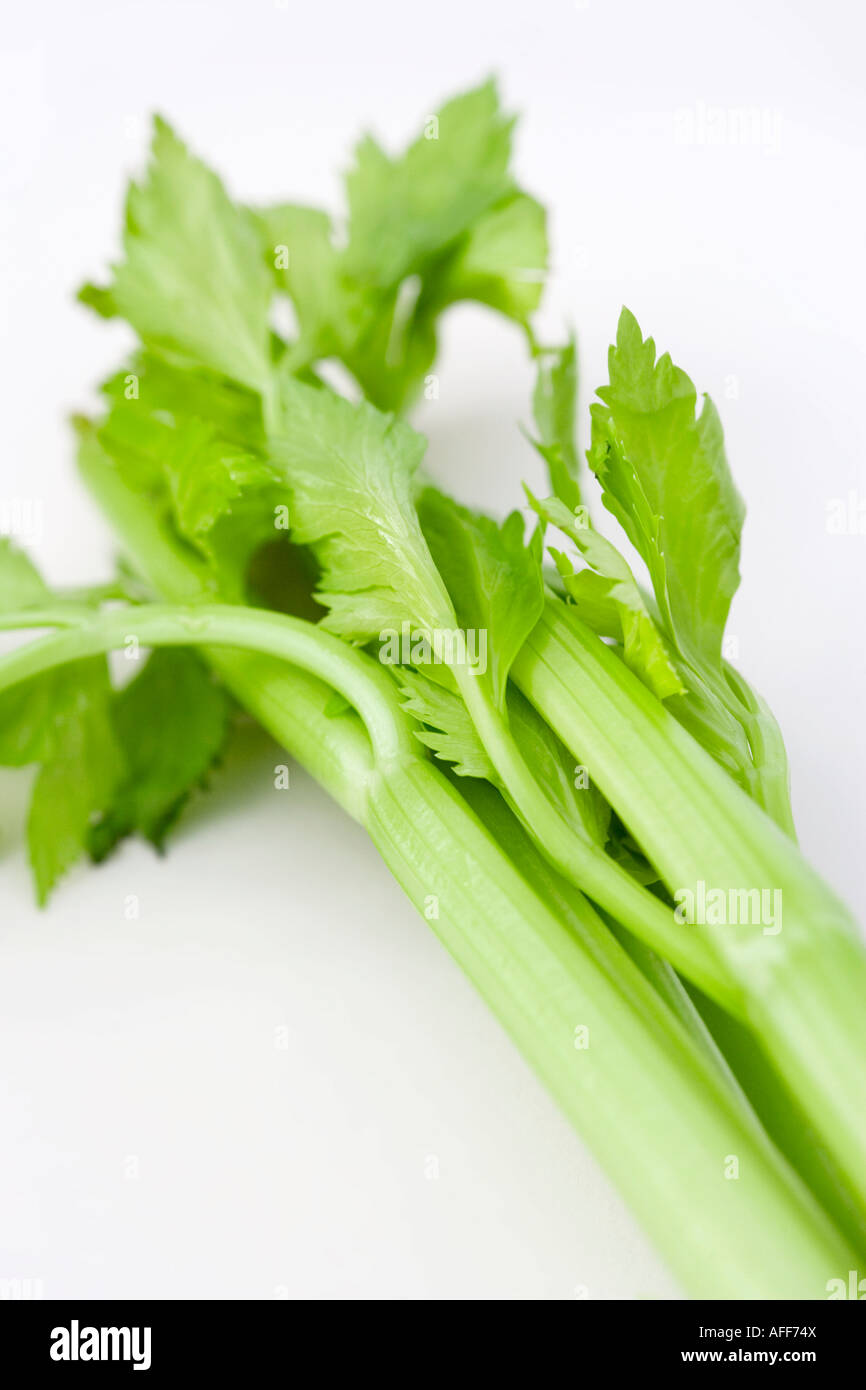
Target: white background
{"points": [[155, 1140]]}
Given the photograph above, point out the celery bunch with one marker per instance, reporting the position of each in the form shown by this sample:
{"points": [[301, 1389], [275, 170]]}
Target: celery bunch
{"points": [[562, 761]]}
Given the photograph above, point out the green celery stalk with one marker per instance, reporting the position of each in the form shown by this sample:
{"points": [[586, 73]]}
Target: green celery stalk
{"points": [[732, 1218], [803, 987], [641, 1079], [671, 1000], [725, 1043], [585, 866], [752, 1251]]}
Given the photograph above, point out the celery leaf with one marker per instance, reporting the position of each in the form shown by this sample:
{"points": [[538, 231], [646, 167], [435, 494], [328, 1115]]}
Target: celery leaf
{"points": [[666, 479], [606, 595], [192, 281], [406, 209], [350, 471], [171, 722], [450, 732], [493, 577], [554, 409]]}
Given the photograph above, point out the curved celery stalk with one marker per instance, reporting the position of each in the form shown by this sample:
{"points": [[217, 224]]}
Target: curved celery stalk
{"points": [[346, 669], [585, 864], [658, 1116], [803, 974], [280, 696], [292, 702]]}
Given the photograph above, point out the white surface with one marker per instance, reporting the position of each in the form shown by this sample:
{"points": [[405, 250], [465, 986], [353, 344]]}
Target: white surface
{"points": [[299, 1162]]}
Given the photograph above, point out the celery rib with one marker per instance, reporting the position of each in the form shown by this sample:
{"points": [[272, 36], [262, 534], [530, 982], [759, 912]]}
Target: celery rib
{"points": [[803, 987]]}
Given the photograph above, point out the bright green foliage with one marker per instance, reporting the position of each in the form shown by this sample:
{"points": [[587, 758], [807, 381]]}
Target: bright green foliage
{"points": [[332, 310], [444, 222], [492, 575], [224, 499], [403, 211], [26, 716], [441, 223], [99, 299], [666, 479], [496, 583], [662, 469], [501, 261], [153, 385], [80, 769], [449, 730], [206, 477], [171, 723], [451, 734], [21, 585], [607, 597], [111, 762], [219, 434], [350, 472], [192, 280], [60, 721], [554, 409]]}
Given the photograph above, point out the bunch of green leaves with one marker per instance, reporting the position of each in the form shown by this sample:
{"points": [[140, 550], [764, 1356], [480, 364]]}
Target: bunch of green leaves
{"points": [[232, 444], [112, 760], [394, 558], [233, 438], [440, 223], [228, 442], [665, 478], [443, 222], [192, 416], [188, 419]]}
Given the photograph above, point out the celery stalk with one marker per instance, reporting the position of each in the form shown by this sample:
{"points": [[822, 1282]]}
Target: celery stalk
{"points": [[802, 985], [651, 1104], [693, 1164]]}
